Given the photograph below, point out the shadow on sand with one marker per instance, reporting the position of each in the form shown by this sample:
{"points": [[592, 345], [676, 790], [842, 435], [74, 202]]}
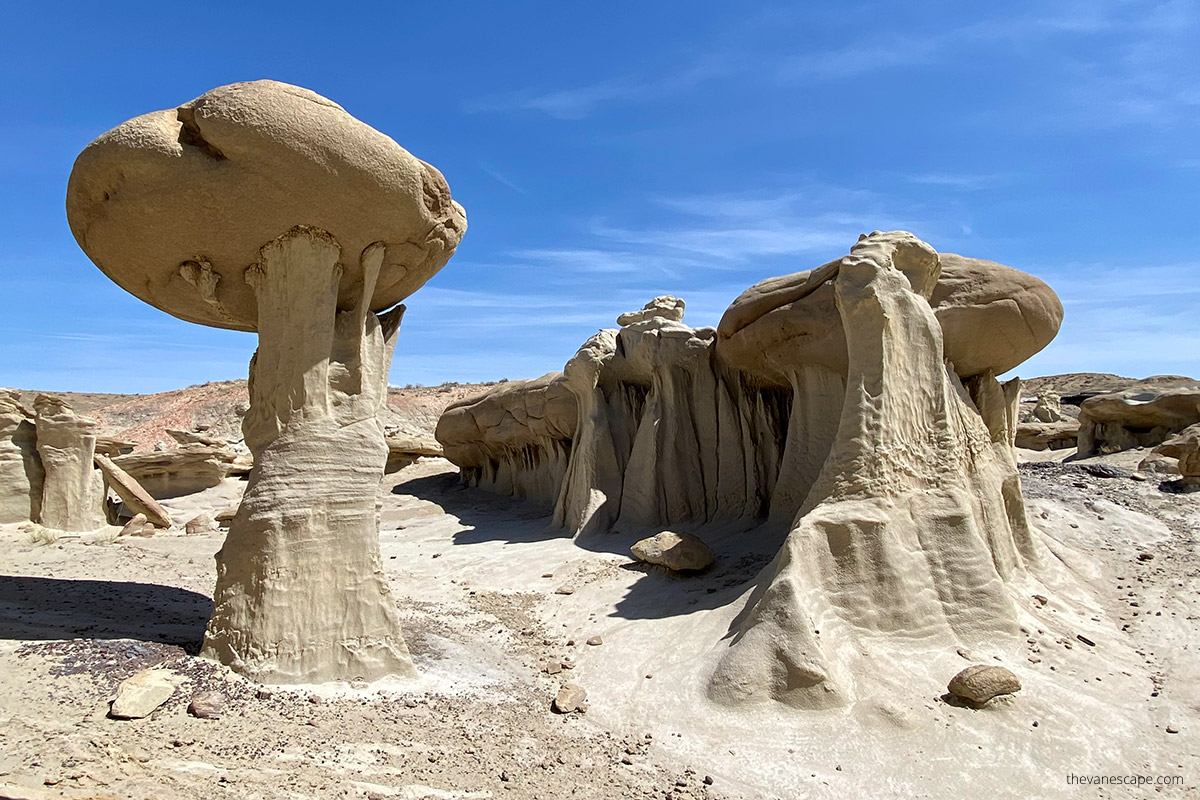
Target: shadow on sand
{"points": [[49, 608], [743, 549]]}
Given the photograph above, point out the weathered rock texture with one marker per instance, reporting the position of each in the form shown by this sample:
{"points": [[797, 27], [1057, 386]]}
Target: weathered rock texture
{"points": [[21, 473], [981, 682], [856, 402], [513, 439], [1139, 418], [73, 489], [265, 207], [182, 470], [1060, 435]]}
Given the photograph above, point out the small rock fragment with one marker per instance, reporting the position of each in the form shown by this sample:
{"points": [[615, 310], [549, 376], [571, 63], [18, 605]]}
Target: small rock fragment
{"points": [[595, 641], [565, 590], [981, 682], [1085, 640], [138, 526], [570, 697]]}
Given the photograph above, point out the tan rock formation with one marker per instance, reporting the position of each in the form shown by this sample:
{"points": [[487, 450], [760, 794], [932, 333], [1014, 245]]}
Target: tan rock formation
{"points": [[265, 207], [73, 489], [135, 497], [513, 439], [1110, 423], [21, 472], [858, 404], [1061, 435], [1048, 408], [182, 470], [916, 519], [404, 450]]}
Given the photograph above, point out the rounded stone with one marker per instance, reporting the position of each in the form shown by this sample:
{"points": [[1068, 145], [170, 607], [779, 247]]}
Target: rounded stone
{"points": [[979, 683], [174, 205]]}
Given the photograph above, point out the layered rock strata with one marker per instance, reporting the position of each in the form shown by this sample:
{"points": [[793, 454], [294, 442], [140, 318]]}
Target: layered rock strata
{"points": [[73, 489]]}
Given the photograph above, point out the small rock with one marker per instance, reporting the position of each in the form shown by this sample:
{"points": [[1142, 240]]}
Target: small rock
{"points": [[567, 663], [1085, 640], [570, 697], [981, 682], [207, 705], [595, 641], [565, 590], [552, 667], [1137, 476], [680, 552], [1172, 729], [201, 523], [141, 693], [137, 527], [1041, 600], [1145, 556], [265, 693]]}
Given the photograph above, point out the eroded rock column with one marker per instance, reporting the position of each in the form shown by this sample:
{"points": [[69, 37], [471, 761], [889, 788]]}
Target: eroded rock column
{"points": [[301, 595], [73, 489]]}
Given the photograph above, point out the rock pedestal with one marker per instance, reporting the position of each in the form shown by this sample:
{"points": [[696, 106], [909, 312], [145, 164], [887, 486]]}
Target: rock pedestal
{"points": [[316, 384], [21, 471]]}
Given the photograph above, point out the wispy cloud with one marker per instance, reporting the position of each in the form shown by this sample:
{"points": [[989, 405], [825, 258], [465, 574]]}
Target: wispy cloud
{"points": [[501, 179], [965, 181], [855, 60], [581, 102]]}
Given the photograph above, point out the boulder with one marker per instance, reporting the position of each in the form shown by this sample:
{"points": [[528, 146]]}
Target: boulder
{"points": [[142, 693], [207, 705], [1060, 435], [200, 524], [137, 526], [980, 683], [681, 552]]}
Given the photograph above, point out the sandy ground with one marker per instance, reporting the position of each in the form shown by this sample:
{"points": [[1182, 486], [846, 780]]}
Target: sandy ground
{"points": [[492, 595]]}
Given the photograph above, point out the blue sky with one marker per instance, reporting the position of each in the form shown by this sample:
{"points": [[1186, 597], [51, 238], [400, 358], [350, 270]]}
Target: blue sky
{"points": [[610, 152]]}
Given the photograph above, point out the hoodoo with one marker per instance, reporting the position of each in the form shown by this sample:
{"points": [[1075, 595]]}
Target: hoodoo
{"points": [[265, 207]]}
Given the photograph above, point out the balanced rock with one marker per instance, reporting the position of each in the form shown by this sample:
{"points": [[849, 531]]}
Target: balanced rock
{"points": [[1110, 423], [665, 307], [981, 682], [681, 552], [141, 693], [265, 207]]}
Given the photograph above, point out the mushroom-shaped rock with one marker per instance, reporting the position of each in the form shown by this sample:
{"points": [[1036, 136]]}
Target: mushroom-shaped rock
{"points": [[265, 207], [175, 205], [992, 317]]}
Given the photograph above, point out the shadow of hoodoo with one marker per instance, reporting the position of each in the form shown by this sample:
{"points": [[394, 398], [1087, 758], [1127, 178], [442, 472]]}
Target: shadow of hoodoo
{"points": [[855, 403], [49, 608]]}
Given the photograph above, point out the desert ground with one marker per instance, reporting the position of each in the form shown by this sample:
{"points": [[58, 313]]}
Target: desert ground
{"points": [[500, 609]]}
